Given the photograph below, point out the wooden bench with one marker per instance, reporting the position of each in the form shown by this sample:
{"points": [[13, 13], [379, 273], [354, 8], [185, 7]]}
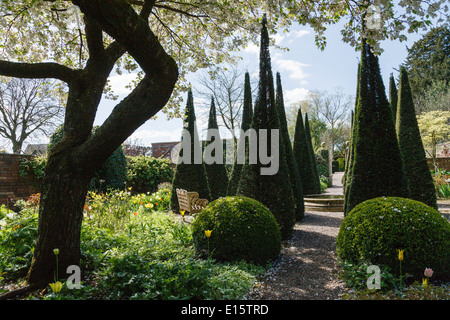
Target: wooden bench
{"points": [[190, 202]]}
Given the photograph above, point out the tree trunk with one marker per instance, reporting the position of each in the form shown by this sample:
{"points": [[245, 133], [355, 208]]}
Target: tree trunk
{"points": [[63, 193]]}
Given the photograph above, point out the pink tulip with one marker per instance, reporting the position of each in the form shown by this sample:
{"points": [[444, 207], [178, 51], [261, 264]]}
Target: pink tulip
{"points": [[428, 272]]}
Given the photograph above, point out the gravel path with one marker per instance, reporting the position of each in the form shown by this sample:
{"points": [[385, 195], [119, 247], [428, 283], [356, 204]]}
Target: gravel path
{"points": [[306, 269]]}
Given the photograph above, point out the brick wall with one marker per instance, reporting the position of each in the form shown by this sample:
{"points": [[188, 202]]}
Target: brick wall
{"points": [[12, 186], [442, 163]]}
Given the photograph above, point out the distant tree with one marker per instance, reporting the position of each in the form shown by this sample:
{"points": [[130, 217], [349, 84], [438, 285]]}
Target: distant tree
{"points": [[285, 142], [417, 171], [334, 110], [434, 127], [428, 60], [190, 173], [247, 114], [28, 107], [377, 168], [434, 97], [275, 190], [216, 172]]}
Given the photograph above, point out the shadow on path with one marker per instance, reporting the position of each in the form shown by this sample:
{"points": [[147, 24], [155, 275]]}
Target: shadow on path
{"points": [[306, 269]]}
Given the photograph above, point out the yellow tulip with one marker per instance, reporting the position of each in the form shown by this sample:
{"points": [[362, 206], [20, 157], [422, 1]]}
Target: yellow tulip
{"points": [[208, 233], [424, 282], [56, 287], [400, 255], [182, 212]]}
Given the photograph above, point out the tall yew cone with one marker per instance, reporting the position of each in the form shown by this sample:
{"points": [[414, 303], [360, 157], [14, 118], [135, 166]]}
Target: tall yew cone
{"points": [[303, 157], [418, 175], [377, 165], [393, 97], [315, 171], [294, 175], [272, 190], [216, 172], [247, 114], [190, 174]]}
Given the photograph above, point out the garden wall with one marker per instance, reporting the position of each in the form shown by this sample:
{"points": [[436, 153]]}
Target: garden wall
{"points": [[12, 186], [442, 163]]}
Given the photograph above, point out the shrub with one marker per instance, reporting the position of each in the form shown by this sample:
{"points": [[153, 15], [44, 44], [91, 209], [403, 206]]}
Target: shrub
{"points": [[418, 176], [111, 175], [18, 234], [242, 229], [376, 229], [146, 173]]}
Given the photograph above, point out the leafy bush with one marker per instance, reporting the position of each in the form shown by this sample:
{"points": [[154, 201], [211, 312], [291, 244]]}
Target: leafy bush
{"points": [[146, 173], [34, 166], [242, 229], [376, 229], [111, 175], [18, 234]]}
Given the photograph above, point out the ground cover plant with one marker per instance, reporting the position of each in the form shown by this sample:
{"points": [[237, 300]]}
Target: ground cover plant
{"points": [[132, 248]]}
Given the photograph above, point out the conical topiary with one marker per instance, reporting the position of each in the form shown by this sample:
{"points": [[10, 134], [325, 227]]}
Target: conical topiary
{"points": [[377, 168], [294, 174], [247, 113], [313, 156], [190, 173], [216, 171], [393, 97], [272, 190], [418, 175], [303, 157]]}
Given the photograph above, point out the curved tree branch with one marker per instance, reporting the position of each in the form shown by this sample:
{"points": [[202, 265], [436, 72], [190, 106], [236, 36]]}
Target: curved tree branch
{"points": [[40, 70]]}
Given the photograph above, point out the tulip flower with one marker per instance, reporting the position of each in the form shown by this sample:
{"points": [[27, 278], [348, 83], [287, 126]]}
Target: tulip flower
{"points": [[424, 282], [56, 251], [208, 233], [400, 254], [428, 272], [56, 287]]}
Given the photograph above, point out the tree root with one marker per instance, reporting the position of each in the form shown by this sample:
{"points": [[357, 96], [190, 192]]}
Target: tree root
{"points": [[18, 293]]}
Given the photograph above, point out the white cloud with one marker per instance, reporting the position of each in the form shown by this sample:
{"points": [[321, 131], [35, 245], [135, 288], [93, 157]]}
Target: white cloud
{"points": [[300, 33], [293, 68], [294, 95]]}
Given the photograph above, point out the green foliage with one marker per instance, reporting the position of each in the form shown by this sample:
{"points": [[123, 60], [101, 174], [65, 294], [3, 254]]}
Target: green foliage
{"points": [[34, 166], [216, 172], [242, 229], [313, 156], [149, 255], [418, 176], [190, 176], [146, 173], [274, 190], [393, 97], [294, 174], [376, 168], [18, 233], [247, 114], [303, 157], [428, 59], [376, 229], [111, 175], [355, 276]]}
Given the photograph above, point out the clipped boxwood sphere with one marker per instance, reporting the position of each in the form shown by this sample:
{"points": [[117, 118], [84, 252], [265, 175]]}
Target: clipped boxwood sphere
{"points": [[376, 229], [242, 229]]}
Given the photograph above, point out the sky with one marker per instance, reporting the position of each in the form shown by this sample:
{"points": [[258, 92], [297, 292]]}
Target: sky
{"points": [[304, 67]]}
